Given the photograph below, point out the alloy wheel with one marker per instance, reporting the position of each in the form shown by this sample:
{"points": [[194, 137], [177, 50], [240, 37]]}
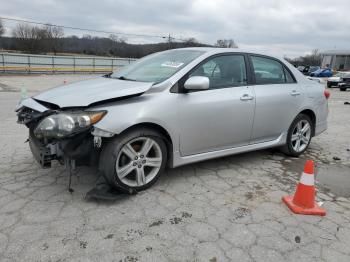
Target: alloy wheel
{"points": [[301, 135], [139, 161]]}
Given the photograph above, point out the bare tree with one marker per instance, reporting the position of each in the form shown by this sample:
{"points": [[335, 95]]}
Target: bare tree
{"points": [[226, 43], [117, 39], [114, 38], [87, 36], [2, 28], [36, 39], [191, 40], [52, 36], [313, 59], [27, 37]]}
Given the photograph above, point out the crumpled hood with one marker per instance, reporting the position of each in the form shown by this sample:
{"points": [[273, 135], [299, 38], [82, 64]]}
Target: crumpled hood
{"points": [[85, 93]]}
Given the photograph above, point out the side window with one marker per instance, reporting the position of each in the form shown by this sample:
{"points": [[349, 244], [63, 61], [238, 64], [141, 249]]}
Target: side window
{"points": [[211, 69], [223, 71], [268, 71]]}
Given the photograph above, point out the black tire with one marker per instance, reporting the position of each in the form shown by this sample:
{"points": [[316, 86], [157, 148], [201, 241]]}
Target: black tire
{"points": [[112, 149], [342, 89], [329, 85], [288, 147]]}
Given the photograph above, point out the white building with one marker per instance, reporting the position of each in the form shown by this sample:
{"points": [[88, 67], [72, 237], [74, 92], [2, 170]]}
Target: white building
{"points": [[336, 59]]}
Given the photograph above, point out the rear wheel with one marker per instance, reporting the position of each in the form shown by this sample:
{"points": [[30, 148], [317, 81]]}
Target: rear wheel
{"points": [[342, 88], [329, 85], [299, 136], [135, 159]]}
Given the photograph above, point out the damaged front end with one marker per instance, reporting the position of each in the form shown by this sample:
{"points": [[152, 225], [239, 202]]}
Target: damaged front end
{"points": [[67, 136]]}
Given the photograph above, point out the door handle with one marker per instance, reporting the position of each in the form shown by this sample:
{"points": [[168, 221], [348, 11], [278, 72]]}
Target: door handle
{"points": [[295, 93], [246, 97]]}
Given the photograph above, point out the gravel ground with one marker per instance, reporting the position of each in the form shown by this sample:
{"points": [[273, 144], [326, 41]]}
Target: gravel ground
{"points": [[227, 209]]}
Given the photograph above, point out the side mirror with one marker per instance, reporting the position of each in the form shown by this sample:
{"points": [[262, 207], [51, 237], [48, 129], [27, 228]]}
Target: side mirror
{"points": [[197, 83]]}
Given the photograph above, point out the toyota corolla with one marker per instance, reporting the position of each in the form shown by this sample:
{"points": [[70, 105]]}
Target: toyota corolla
{"points": [[173, 108]]}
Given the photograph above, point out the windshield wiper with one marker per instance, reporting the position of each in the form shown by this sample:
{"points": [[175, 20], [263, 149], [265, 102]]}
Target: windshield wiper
{"points": [[124, 78]]}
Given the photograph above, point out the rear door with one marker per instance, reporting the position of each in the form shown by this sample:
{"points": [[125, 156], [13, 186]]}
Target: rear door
{"points": [[222, 116], [278, 98]]}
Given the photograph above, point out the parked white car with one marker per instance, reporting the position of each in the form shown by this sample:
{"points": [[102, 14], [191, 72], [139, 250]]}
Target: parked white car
{"points": [[335, 80]]}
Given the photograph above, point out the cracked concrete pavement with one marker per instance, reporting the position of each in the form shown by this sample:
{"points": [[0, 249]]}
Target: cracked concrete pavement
{"points": [[227, 209]]}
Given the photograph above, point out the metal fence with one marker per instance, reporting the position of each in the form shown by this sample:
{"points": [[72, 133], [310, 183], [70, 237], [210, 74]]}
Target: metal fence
{"points": [[27, 63]]}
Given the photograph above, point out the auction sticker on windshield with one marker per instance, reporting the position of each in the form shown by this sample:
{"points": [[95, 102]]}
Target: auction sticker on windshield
{"points": [[172, 64]]}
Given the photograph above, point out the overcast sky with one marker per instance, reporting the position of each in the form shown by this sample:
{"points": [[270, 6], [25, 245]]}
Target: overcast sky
{"points": [[283, 27]]}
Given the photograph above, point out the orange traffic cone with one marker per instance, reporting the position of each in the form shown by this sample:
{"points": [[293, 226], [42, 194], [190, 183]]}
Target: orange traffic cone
{"points": [[303, 201]]}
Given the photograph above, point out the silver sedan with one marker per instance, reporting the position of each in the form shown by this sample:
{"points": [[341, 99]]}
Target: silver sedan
{"points": [[173, 108]]}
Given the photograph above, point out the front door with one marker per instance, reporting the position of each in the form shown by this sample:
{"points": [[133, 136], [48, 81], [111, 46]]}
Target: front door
{"points": [[221, 117]]}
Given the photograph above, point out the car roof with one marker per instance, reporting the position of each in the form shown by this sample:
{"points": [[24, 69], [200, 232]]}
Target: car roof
{"points": [[220, 50]]}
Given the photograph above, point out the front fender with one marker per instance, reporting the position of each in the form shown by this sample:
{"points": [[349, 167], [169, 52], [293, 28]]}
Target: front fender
{"points": [[159, 109]]}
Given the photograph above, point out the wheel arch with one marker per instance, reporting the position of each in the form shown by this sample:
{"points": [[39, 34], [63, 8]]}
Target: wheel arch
{"points": [[158, 128], [310, 113]]}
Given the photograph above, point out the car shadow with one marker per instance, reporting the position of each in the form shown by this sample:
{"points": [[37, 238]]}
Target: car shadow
{"points": [[85, 178]]}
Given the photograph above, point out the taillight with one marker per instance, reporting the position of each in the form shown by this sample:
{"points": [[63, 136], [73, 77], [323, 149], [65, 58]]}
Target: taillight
{"points": [[327, 94]]}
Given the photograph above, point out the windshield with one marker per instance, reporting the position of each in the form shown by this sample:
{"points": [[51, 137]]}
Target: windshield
{"points": [[157, 67]]}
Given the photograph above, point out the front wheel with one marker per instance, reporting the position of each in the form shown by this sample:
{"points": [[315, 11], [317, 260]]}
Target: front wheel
{"points": [[299, 136], [134, 160], [342, 89]]}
